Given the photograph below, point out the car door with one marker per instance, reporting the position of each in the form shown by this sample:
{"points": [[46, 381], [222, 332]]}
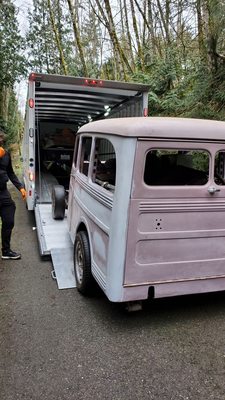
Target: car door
{"points": [[176, 227]]}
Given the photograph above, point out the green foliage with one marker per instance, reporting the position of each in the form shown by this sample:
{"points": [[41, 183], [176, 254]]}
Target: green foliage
{"points": [[184, 64], [200, 160], [12, 63], [199, 93], [205, 96], [91, 42], [13, 126], [43, 55], [12, 68]]}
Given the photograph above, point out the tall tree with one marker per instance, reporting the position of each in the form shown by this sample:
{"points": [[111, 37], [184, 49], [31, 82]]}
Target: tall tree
{"points": [[107, 16], [214, 23], [12, 63], [74, 19], [175, 46], [49, 38], [127, 34], [42, 52], [139, 46], [58, 37]]}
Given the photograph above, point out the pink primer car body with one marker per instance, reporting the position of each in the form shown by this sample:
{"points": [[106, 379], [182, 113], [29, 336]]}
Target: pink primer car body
{"points": [[146, 208]]}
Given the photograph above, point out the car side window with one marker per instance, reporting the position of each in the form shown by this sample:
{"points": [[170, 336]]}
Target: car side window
{"points": [[85, 154], [104, 167], [176, 167]]}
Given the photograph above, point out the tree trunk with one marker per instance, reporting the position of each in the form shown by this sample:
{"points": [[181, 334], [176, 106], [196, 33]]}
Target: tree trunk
{"points": [[128, 34], [165, 19], [109, 23], [139, 47], [77, 36], [201, 41], [58, 43], [45, 40], [214, 25]]}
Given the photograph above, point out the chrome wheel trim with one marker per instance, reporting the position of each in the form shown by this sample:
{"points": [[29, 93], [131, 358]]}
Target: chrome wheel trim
{"points": [[79, 262]]}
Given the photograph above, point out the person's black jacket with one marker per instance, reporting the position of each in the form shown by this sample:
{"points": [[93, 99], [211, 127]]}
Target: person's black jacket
{"points": [[7, 173]]}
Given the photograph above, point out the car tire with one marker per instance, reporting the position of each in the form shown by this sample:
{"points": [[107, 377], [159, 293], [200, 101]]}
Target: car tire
{"points": [[82, 265], [58, 202]]}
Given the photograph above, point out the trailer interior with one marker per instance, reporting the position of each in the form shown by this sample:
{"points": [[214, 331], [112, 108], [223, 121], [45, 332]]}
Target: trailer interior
{"points": [[62, 105]]}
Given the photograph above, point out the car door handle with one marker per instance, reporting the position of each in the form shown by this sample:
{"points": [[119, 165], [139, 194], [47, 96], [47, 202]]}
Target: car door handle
{"points": [[213, 189]]}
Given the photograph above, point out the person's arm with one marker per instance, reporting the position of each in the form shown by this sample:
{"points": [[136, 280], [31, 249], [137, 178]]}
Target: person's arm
{"points": [[12, 176]]}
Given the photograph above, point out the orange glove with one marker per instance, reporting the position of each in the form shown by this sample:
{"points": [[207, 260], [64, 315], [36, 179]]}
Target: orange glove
{"points": [[2, 152], [23, 193]]}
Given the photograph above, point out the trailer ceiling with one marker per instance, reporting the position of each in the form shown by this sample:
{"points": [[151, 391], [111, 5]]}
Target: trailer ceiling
{"points": [[80, 100]]}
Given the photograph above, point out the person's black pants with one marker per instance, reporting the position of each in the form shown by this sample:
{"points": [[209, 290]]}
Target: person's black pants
{"points": [[7, 212]]}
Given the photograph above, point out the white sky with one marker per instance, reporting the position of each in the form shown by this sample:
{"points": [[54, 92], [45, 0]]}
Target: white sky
{"points": [[23, 7]]}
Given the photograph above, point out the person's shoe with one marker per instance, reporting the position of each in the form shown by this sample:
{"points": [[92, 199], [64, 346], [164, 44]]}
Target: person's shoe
{"points": [[10, 255]]}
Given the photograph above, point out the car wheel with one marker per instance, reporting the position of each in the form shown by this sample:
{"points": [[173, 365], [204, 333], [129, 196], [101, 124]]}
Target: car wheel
{"points": [[58, 202], [82, 264]]}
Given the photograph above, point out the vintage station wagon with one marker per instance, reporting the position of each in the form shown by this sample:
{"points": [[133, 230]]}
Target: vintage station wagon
{"points": [[146, 207]]}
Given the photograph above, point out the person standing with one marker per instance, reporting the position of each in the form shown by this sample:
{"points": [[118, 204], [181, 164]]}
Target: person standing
{"points": [[7, 205]]}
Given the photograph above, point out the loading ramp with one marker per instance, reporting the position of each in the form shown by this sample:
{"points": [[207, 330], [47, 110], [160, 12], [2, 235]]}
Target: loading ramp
{"points": [[54, 241]]}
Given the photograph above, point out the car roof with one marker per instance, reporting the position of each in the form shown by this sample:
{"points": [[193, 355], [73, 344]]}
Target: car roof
{"points": [[159, 127]]}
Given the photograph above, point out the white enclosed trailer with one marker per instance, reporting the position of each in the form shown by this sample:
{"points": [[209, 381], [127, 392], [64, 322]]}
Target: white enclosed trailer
{"points": [[57, 106]]}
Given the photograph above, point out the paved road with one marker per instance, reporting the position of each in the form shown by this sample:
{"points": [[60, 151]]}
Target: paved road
{"points": [[58, 345]]}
